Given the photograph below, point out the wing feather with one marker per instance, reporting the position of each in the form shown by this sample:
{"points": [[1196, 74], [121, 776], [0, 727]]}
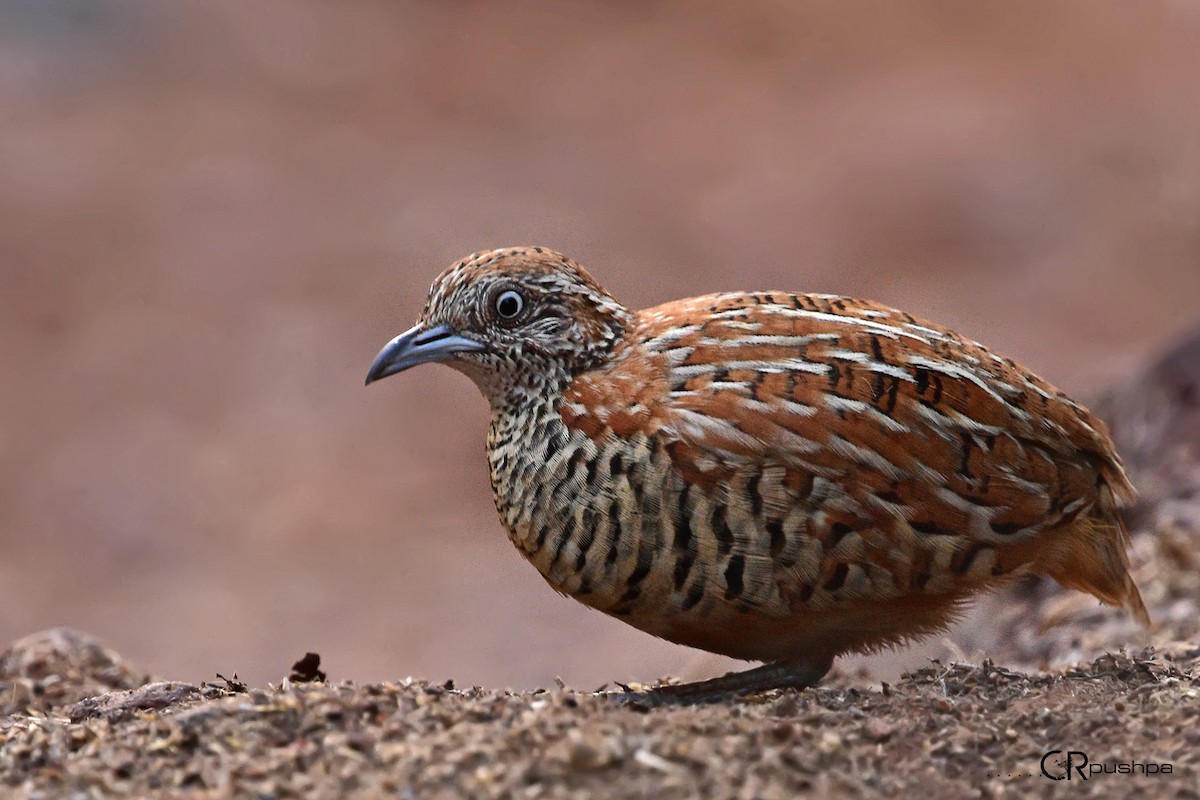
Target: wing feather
{"points": [[915, 457]]}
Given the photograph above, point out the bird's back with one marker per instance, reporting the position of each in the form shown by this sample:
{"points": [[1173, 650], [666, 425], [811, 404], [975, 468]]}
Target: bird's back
{"points": [[760, 473]]}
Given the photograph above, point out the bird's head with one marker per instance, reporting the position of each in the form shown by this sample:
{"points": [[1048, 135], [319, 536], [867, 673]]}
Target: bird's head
{"points": [[519, 321]]}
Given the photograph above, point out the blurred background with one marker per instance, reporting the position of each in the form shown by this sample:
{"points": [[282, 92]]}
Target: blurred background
{"points": [[213, 214]]}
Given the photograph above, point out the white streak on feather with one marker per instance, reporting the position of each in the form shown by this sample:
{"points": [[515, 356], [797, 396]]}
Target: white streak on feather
{"points": [[776, 406], [891, 370], [952, 370], [847, 355], [789, 441], [1027, 486], [930, 332], [858, 357], [875, 327], [670, 337], [686, 371], [863, 455], [766, 339], [939, 422], [1033, 387], [698, 427], [839, 403], [973, 510], [970, 425]]}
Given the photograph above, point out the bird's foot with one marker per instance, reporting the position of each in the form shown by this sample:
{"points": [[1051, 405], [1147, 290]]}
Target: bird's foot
{"points": [[777, 675]]}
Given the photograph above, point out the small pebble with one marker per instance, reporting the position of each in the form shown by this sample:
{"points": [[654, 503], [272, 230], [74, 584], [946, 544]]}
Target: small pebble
{"points": [[878, 730]]}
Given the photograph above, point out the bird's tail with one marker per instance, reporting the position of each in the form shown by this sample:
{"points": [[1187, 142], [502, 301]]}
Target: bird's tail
{"points": [[1092, 556]]}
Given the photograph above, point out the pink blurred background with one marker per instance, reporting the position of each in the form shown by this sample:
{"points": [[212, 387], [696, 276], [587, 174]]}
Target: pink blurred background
{"points": [[212, 214]]}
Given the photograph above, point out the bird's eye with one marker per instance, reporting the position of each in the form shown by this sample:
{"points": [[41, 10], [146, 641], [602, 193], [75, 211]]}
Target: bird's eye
{"points": [[509, 304]]}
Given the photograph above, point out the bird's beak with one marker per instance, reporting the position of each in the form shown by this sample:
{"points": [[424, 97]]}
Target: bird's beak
{"points": [[419, 345]]}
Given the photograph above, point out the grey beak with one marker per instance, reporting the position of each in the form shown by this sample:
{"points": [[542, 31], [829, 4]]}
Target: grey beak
{"points": [[419, 345]]}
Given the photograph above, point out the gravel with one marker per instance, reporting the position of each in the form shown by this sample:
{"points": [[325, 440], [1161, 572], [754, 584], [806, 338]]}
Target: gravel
{"points": [[950, 731]]}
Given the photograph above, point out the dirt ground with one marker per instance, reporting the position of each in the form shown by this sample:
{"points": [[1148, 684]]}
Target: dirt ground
{"points": [[946, 731], [80, 722]]}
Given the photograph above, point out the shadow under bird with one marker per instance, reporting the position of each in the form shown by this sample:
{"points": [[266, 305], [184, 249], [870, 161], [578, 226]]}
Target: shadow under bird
{"points": [[770, 476]]}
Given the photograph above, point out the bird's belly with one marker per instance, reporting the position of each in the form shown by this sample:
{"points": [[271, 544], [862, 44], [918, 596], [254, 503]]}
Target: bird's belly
{"points": [[775, 629], [857, 626]]}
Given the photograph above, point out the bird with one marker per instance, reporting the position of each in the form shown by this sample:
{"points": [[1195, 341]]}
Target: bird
{"points": [[776, 477]]}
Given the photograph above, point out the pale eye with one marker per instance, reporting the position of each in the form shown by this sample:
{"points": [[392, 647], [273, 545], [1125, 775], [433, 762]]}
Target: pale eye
{"points": [[509, 304]]}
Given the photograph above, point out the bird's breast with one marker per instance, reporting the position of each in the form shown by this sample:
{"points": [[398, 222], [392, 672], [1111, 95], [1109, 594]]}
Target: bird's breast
{"points": [[611, 522]]}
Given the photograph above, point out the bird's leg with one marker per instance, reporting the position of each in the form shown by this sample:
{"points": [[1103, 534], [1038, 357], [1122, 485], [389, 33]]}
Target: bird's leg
{"points": [[776, 675]]}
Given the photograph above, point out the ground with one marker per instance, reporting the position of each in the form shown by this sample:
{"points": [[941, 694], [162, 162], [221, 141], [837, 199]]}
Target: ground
{"points": [[946, 731], [80, 722]]}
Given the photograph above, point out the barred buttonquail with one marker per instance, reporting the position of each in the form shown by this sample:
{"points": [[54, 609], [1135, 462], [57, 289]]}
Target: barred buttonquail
{"points": [[771, 476]]}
